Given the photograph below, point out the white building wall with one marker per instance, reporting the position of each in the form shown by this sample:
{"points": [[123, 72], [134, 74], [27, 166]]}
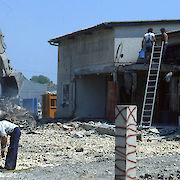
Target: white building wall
{"points": [[130, 38], [95, 51], [84, 51]]}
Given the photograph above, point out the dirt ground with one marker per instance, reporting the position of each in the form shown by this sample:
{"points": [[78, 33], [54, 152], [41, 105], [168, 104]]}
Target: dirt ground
{"points": [[67, 151]]}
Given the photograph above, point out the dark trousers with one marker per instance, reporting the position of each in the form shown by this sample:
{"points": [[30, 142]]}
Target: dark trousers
{"points": [[165, 53], [13, 149]]}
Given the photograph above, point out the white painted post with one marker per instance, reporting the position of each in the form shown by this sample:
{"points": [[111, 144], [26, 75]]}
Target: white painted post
{"points": [[125, 142]]}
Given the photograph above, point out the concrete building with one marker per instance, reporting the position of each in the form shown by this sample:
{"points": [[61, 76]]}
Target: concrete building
{"points": [[98, 67]]}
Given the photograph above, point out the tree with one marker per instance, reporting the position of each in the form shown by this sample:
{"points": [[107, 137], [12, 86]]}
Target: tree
{"points": [[40, 79]]}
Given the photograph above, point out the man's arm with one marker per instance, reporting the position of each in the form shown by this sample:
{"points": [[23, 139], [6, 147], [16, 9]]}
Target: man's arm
{"points": [[3, 145], [3, 142], [143, 42], [154, 38], [165, 37]]}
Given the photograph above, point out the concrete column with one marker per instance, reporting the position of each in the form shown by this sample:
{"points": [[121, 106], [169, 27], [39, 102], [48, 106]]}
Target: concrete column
{"points": [[125, 142], [115, 76], [173, 94]]}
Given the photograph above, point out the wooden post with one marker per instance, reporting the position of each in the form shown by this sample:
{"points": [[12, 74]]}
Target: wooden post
{"points": [[125, 142]]}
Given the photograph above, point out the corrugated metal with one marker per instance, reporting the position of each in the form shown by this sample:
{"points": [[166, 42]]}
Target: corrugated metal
{"points": [[31, 89], [31, 105]]}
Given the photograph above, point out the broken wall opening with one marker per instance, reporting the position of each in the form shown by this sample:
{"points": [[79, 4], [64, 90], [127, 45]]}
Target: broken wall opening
{"points": [[167, 103], [131, 89], [172, 54], [90, 101]]}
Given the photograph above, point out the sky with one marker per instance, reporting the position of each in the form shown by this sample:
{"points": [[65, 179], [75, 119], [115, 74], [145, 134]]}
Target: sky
{"points": [[29, 24]]}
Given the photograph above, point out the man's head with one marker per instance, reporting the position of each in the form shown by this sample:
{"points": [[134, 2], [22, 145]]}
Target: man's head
{"points": [[162, 30], [150, 30]]}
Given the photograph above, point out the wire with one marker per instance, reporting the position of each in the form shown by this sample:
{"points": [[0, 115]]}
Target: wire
{"points": [[119, 52]]}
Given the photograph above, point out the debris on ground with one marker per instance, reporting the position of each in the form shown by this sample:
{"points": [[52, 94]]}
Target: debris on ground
{"points": [[10, 111], [99, 127], [55, 143], [51, 144]]}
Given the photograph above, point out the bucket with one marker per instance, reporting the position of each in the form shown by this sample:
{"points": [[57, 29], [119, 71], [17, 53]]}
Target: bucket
{"points": [[142, 54]]}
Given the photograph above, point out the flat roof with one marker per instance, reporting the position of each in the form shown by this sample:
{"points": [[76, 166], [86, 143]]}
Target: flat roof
{"points": [[109, 25]]}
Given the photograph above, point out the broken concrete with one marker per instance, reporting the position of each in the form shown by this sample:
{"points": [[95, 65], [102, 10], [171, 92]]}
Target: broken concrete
{"points": [[101, 128], [49, 146], [16, 114]]}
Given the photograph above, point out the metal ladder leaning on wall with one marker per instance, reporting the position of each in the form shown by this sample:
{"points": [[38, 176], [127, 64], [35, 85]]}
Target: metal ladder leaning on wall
{"points": [[151, 86]]}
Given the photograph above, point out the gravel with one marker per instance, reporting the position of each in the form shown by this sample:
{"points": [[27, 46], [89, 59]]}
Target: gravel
{"points": [[67, 151]]}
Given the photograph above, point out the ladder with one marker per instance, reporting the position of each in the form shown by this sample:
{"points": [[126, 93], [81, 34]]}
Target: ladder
{"points": [[151, 86]]}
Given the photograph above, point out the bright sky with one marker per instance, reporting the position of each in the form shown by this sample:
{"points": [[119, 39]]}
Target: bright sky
{"points": [[29, 24]]}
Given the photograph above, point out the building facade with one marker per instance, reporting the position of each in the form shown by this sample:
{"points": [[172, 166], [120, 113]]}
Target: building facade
{"points": [[99, 67]]}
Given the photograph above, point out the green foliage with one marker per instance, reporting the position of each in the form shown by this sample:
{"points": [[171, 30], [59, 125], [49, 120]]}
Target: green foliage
{"points": [[40, 79]]}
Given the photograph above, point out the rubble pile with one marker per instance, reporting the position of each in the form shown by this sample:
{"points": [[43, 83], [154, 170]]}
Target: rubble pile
{"points": [[67, 143], [10, 111], [156, 134], [55, 143], [175, 176], [158, 142]]}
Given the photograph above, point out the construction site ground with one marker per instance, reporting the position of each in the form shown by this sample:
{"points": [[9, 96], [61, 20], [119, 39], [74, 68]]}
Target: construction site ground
{"points": [[72, 151]]}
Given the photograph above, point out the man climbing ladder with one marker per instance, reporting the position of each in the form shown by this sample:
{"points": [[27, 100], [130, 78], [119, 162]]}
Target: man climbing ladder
{"points": [[151, 85], [148, 40]]}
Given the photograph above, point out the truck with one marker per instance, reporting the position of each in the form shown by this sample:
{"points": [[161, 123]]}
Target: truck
{"points": [[10, 80]]}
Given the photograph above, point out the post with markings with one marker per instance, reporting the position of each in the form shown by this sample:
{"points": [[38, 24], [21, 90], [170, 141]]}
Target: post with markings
{"points": [[125, 142]]}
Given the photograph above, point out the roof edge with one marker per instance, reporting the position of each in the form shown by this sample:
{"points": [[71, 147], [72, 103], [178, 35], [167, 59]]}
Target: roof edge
{"points": [[107, 25]]}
